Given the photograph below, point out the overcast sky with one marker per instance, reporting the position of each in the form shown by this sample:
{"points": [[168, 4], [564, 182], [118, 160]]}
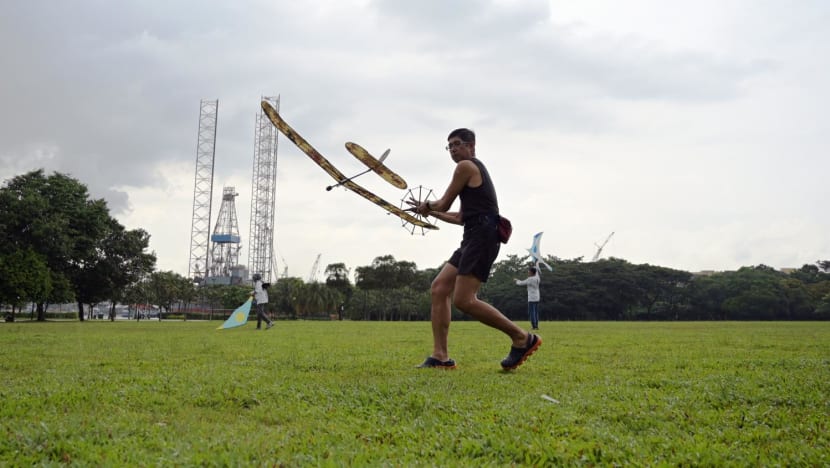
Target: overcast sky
{"points": [[696, 131]]}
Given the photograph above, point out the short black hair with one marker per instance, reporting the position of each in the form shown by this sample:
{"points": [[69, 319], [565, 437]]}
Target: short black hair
{"points": [[532, 270], [465, 134]]}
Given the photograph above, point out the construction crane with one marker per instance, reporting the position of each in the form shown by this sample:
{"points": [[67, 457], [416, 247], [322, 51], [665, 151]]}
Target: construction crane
{"points": [[274, 262], [284, 267], [312, 277], [600, 247]]}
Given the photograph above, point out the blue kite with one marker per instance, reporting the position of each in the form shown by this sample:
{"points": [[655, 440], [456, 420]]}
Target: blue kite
{"points": [[536, 253], [239, 316]]}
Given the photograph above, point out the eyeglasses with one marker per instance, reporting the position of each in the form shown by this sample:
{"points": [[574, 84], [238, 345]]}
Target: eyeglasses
{"points": [[454, 144]]}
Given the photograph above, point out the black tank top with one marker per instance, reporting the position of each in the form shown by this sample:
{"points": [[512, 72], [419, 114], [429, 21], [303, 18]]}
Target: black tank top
{"points": [[479, 200]]}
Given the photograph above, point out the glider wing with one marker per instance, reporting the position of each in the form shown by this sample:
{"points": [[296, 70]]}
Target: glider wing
{"points": [[376, 165]]}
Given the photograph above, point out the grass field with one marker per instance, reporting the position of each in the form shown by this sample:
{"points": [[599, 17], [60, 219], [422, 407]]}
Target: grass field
{"points": [[347, 393]]}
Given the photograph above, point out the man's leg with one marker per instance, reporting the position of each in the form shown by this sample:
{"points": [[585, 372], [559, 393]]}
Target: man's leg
{"points": [[536, 315], [266, 317], [440, 312], [260, 315], [466, 288]]}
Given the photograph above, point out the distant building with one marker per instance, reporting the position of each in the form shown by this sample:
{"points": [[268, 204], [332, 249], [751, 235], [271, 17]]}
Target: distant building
{"points": [[704, 273]]}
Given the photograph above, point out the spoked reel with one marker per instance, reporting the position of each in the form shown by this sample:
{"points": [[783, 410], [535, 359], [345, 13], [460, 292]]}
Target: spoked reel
{"points": [[421, 194]]}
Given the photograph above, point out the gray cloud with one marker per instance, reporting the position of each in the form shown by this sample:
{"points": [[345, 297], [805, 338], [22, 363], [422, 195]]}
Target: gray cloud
{"points": [[110, 93]]}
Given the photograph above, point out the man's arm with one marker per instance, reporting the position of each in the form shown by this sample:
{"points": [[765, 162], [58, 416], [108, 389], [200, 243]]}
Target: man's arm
{"points": [[452, 217], [463, 173]]}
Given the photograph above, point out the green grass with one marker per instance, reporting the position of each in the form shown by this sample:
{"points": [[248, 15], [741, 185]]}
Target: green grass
{"points": [[346, 393]]}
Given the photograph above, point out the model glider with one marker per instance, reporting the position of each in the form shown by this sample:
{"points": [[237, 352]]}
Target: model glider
{"points": [[239, 316], [335, 174], [536, 253]]}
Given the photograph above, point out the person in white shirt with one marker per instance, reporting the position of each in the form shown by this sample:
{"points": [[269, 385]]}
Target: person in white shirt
{"points": [[261, 298], [534, 278]]}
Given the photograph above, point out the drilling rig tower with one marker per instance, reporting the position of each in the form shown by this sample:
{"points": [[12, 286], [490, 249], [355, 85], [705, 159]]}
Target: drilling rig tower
{"points": [[225, 244]]}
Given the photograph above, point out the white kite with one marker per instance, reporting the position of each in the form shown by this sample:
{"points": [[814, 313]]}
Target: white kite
{"points": [[536, 253]]}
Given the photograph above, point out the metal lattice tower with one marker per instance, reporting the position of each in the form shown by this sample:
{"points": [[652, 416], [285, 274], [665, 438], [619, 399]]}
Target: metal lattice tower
{"points": [[264, 184], [224, 252], [199, 262]]}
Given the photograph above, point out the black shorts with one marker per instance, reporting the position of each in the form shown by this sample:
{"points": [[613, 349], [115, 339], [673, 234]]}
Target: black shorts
{"points": [[479, 247]]}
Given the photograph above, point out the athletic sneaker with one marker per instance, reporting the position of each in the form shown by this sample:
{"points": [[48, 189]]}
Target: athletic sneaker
{"points": [[270, 324], [435, 363], [519, 355]]}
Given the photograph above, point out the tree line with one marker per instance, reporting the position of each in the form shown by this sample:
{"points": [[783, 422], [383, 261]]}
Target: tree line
{"points": [[607, 289], [62, 246]]}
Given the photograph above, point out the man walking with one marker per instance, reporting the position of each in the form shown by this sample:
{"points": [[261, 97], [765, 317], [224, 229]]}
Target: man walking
{"points": [[261, 297]]}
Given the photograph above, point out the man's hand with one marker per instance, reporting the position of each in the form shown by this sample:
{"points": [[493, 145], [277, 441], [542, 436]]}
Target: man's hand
{"points": [[422, 208]]}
